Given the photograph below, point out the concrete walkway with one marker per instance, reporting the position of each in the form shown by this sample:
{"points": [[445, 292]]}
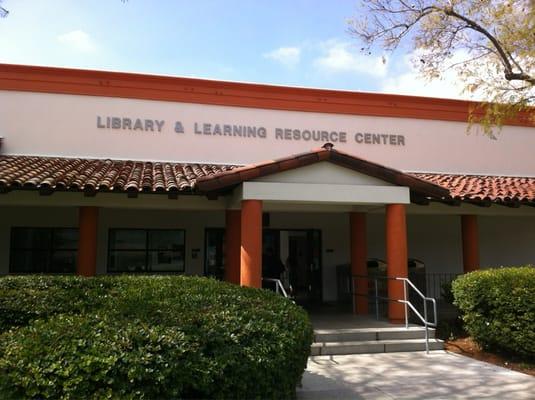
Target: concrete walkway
{"points": [[439, 375]]}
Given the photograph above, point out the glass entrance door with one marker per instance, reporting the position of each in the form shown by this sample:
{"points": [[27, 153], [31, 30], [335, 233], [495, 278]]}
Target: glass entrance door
{"points": [[300, 253], [296, 251], [214, 252]]}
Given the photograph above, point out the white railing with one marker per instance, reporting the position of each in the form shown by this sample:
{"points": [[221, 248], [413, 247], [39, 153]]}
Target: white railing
{"points": [[279, 287], [407, 285]]}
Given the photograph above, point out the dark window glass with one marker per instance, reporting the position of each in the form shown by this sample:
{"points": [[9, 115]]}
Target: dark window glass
{"points": [[166, 240], [127, 261], [214, 250], [166, 261], [43, 250], [141, 250], [65, 239], [31, 238], [128, 239], [28, 261]]}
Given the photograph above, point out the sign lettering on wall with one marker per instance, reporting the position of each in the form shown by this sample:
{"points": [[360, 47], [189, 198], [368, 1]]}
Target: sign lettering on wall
{"points": [[167, 131], [248, 131]]}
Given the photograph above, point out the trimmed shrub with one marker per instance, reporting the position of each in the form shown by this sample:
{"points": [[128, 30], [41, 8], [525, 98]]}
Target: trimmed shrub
{"points": [[26, 298], [498, 307], [148, 337]]}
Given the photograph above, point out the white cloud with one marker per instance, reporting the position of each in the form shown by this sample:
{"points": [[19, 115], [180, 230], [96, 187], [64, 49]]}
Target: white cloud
{"points": [[287, 56], [78, 40], [413, 83], [340, 57]]}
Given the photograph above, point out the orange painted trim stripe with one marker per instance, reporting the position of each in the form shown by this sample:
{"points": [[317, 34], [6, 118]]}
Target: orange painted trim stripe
{"points": [[204, 91]]}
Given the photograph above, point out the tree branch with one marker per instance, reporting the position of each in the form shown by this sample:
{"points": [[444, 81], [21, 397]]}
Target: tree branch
{"points": [[509, 74]]}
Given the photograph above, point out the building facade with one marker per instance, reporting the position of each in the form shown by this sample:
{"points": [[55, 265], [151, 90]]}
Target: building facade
{"points": [[105, 173]]}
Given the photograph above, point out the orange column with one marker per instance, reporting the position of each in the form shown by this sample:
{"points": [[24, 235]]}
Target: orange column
{"points": [[357, 222], [470, 238], [87, 241], [396, 258], [251, 243], [232, 246]]}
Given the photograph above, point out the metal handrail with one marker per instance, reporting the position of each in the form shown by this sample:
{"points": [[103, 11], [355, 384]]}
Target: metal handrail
{"points": [[407, 304], [279, 287], [425, 299]]}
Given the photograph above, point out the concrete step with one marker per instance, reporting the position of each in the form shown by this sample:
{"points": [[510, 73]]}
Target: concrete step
{"points": [[370, 334], [373, 346]]}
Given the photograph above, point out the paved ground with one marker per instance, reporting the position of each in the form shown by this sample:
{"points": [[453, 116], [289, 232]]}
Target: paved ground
{"points": [[439, 375]]}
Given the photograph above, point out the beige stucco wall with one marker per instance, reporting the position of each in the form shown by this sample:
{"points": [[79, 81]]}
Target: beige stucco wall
{"points": [[435, 240], [66, 125], [322, 173], [507, 241]]}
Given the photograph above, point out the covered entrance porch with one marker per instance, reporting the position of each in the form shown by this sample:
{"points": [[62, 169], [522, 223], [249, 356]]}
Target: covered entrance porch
{"points": [[320, 180]]}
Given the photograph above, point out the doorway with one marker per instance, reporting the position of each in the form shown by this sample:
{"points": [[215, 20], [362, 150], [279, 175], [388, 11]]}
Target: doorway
{"points": [[299, 250]]}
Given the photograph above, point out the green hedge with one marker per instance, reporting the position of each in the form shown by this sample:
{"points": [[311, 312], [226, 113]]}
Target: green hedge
{"points": [[148, 337], [498, 307]]}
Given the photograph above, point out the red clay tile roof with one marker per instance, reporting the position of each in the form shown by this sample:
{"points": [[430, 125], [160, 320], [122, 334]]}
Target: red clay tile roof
{"points": [[75, 174], [502, 189], [54, 173], [235, 176]]}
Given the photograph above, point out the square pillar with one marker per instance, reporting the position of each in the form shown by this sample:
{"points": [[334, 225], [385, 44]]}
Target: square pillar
{"points": [[87, 241], [359, 255], [251, 243], [232, 246], [396, 258], [470, 239]]}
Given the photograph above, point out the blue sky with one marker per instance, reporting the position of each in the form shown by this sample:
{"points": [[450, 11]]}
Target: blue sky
{"points": [[291, 42]]}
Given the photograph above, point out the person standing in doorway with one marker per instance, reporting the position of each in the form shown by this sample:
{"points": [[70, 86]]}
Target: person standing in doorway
{"points": [[272, 266]]}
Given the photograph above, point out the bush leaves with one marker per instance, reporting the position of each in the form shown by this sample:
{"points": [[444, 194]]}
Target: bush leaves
{"points": [[147, 337], [498, 307]]}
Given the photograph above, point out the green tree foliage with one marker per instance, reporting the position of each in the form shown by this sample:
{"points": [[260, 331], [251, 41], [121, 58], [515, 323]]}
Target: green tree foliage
{"points": [[489, 43]]}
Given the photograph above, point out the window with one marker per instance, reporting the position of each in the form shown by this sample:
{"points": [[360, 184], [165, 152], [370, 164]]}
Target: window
{"points": [[43, 250], [214, 249], [144, 250]]}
